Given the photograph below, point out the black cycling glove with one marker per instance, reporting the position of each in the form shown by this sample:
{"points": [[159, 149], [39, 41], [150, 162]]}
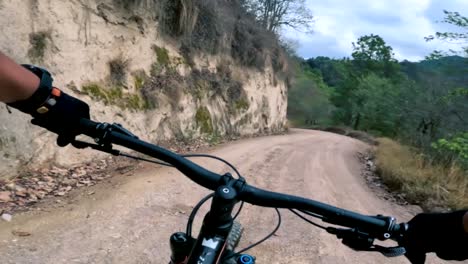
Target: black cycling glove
{"points": [[441, 233], [53, 109]]}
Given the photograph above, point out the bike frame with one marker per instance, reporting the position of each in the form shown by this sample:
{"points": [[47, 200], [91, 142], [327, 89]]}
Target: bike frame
{"points": [[217, 224]]}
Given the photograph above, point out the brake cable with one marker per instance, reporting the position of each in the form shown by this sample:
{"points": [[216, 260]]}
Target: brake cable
{"points": [[353, 238], [194, 213], [110, 150], [307, 220]]}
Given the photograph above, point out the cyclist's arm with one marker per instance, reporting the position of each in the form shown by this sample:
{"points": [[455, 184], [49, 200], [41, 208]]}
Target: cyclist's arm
{"points": [[16, 83]]}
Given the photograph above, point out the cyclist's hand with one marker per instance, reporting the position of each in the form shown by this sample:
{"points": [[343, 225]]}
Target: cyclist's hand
{"points": [[63, 118], [441, 233], [53, 109]]}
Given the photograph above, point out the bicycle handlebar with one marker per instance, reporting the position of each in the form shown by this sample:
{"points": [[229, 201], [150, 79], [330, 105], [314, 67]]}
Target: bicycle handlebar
{"points": [[195, 172], [378, 226]]}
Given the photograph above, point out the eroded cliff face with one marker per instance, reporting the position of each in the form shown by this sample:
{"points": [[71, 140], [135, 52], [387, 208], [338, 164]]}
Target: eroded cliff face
{"points": [[120, 64]]}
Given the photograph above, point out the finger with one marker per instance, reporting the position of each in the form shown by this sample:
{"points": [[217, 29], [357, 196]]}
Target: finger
{"points": [[39, 123], [64, 140], [416, 257]]}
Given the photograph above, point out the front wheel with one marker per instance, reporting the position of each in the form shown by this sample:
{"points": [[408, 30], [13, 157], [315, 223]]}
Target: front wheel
{"points": [[232, 241], [234, 236]]}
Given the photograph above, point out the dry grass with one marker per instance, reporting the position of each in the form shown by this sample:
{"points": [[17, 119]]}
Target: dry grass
{"points": [[423, 183]]}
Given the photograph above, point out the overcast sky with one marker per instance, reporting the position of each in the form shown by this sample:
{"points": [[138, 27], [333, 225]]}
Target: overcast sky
{"points": [[403, 24]]}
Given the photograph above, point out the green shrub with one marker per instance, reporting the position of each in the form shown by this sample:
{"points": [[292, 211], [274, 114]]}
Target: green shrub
{"points": [[118, 71], [242, 104], [39, 41], [115, 96], [162, 55], [453, 149], [139, 79], [203, 119], [95, 92]]}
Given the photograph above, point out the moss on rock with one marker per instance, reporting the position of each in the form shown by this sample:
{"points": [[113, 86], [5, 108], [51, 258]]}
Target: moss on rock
{"points": [[203, 119]]}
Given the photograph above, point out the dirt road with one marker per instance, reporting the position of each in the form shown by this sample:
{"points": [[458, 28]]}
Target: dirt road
{"points": [[130, 219]]}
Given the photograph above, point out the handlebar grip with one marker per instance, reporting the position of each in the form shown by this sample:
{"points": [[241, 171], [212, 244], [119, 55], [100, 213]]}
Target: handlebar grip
{"points": [[88, 127]]}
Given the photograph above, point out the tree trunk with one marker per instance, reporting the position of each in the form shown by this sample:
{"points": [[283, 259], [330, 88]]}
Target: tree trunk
{"points": [[357, 121]]}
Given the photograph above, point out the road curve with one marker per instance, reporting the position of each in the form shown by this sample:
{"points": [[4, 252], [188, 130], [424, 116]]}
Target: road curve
{"points": [[130, 219]]}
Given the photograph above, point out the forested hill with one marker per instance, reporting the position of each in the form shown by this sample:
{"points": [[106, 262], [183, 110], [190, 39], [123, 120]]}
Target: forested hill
{"points": [[452, 69], [424, 104]]}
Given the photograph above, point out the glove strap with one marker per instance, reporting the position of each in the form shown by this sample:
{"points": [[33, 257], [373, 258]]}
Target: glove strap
{"points": [[40, 102]]}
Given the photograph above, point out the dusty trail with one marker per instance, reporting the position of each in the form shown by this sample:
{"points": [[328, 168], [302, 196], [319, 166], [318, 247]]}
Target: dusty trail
{"points": [[130, 219]]}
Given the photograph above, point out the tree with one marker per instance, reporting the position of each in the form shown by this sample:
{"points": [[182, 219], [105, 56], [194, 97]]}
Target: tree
{"points": [[372, 54], [375, 103], [372, 47], [309, 98], [454, 100], [276, 14], [455, 19]]}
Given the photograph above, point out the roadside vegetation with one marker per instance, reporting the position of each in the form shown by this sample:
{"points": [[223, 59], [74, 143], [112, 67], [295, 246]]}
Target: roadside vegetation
{"points": [[420, 178], [418, 109]]}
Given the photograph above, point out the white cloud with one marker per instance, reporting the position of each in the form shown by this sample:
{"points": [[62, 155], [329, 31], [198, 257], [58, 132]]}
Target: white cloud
{"points": [[403, 24]]}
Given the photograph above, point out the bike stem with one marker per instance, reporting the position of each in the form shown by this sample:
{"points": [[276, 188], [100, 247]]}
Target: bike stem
{"points": [[217, 224]]}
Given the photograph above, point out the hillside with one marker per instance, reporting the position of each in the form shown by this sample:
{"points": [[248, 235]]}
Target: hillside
{"points": [[453, 69], [164, 69]]}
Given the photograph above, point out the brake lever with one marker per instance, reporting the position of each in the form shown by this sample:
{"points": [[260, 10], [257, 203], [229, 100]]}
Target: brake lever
{"points": [[105, 129], [361, 241], [390, 252], [353, 238], [104, 148]]}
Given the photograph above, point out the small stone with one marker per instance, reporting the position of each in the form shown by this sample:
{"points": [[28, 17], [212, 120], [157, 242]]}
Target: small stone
{"points": [[20, 188], [58, 171], [70, 182], [32, 198], [116, 236], [20, 233], [60, 194], [11, 186], [78, 173], [7, 217], [5, 196], [40, 194], [96, 177], [47, 189], [85, 182], [21, 202], [48, 178], [21, 193]]}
